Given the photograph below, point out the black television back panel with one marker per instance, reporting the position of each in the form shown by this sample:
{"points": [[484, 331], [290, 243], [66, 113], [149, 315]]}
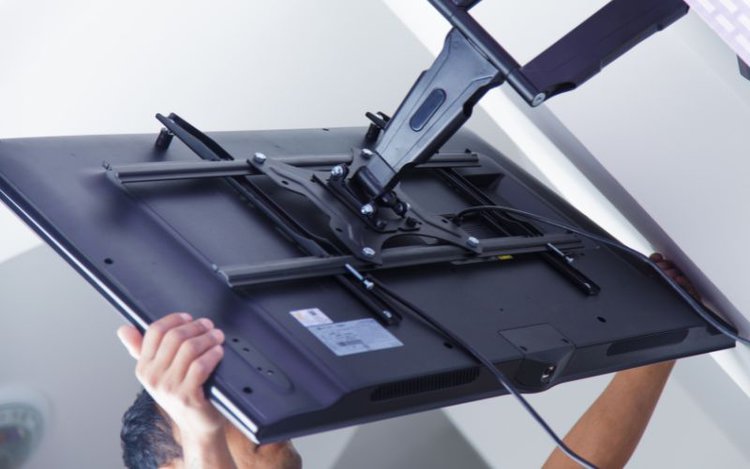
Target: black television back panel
{"points": [[306, 350]]}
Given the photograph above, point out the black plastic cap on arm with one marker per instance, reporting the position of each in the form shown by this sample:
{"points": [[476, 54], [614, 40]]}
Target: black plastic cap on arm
{"points": [[606, 35]]}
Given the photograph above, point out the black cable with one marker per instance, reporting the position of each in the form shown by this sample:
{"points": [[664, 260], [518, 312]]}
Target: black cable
{"points": [[487, 363], [618, 245]]}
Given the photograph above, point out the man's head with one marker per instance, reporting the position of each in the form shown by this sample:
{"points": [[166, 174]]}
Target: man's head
{"points": [[146, 436], [150, 440], [174, 419]]}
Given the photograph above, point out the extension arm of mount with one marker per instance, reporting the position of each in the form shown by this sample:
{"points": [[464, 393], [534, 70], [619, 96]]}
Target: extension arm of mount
{"points": [[582, 53], [472, 62], [606, 35], [436, 107]]}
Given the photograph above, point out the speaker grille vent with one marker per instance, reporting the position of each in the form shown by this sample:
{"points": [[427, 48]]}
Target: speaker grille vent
{"points": [[413, 386]]}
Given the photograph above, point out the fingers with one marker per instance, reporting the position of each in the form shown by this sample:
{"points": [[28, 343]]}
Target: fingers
{"points": [[193, 349], [202, 367], [656, 257], [132, 339], [665, 264], [176, 338], [674, 273], [156, 331], [178, 355]]}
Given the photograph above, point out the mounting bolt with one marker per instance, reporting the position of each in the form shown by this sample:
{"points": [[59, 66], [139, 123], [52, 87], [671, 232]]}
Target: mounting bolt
{"points": [[337, 171], [538, 99], [368, 251], [472, 242], [259, 158], [367, 210], [366, 153]]}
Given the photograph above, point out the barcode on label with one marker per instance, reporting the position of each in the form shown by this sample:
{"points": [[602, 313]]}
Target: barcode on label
{"points": [[352, 337], [350, 342]]}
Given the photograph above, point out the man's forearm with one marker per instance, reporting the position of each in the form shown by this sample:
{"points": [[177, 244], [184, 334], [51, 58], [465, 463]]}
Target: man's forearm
{"points": [[608, 433], [206, 451]]}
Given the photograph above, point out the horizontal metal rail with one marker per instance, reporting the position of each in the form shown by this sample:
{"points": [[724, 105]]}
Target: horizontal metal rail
{"points": [[174, 170], [405, 256]]}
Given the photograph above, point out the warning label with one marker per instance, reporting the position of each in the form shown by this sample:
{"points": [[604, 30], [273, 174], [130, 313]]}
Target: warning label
{"points": [[350, 337], [311, 317]]}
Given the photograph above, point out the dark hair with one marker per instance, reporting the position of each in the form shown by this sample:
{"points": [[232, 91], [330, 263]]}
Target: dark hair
{"points": [[146, 436]]}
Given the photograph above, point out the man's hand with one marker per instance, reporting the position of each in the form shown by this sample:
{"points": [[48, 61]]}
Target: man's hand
{"points": [[675, 274], [609, 432], [175, 358]]}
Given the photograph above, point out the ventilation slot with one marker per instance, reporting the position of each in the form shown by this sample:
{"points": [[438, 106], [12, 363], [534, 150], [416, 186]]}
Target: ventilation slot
{"points": [[425, 384], [644, 343]]}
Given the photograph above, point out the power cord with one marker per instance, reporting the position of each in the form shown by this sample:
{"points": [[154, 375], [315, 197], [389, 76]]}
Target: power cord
{"points": [[499, 375], [487, 363]]}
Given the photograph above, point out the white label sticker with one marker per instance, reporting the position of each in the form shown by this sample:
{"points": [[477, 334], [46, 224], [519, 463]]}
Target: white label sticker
{"points": [[350, 337], [311, 317]]}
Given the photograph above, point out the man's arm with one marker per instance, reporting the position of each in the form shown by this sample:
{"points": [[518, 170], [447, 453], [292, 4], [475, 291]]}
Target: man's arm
{"points": [[175, 358], [608, 433]]}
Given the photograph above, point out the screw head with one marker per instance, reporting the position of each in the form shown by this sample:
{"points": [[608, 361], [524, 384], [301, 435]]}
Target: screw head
{"points": [[538, 99], [367, 210], [259, 158], [366, 153], [337, 171], [472, 242], [368, 251]]}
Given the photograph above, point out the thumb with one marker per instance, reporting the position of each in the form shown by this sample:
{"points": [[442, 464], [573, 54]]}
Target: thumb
{"points": [[132, 339]]}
